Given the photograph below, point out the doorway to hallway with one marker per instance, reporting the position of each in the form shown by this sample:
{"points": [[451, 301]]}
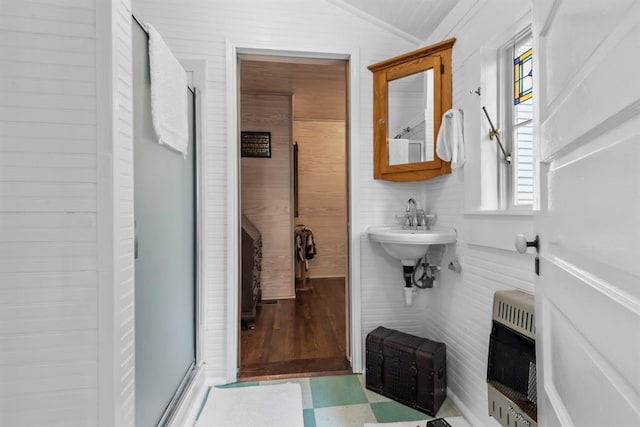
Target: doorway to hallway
{"points": [[299, 105]]}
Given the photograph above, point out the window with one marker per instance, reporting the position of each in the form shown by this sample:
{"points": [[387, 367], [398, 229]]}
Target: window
{"points": [[518, 95]]}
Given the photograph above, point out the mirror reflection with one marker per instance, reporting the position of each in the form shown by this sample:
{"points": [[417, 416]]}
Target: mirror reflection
{"points": [[411, 119]]}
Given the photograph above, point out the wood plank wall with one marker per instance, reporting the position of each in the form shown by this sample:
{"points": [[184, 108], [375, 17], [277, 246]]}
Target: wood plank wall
{"points": [[266, 189], [322, 195]]}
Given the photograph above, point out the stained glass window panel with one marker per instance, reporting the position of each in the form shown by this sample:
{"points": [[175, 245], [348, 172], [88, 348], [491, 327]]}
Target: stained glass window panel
{"points": [[522, 123], [523, 76]]}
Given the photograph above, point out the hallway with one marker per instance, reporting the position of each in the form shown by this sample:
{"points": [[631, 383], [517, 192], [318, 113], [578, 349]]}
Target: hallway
{"points": [[304, 336]]}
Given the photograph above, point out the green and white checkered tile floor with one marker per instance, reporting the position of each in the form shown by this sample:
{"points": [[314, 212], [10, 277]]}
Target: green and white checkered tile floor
{"points": [[343, 401]]}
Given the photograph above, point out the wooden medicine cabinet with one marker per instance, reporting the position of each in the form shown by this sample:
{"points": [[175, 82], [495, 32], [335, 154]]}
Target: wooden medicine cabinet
{"points": [[410, 93]]}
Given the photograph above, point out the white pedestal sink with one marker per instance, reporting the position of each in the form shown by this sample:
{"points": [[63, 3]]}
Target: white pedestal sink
{"points": [[407, 245]]}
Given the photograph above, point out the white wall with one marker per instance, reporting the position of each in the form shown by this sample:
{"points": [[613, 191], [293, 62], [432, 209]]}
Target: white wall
{"points": [[48, 190], [63, 361], [201, 29], [459, 309], [116, 306]]}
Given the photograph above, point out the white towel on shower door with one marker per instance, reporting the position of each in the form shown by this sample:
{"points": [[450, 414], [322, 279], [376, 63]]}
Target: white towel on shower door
{"points": [[450, 142], [169, 110], [398, 151]]}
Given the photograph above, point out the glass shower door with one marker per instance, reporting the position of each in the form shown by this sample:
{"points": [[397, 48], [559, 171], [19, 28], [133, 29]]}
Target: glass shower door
{"points": [[165, 254]]}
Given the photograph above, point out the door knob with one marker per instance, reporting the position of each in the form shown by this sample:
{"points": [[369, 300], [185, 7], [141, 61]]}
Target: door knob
{"points": [[522, 243]]}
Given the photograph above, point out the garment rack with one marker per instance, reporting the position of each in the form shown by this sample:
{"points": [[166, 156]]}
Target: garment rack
{"points": [[302, 260]]}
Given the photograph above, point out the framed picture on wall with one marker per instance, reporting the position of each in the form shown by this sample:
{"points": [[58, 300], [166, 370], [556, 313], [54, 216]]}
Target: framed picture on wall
{"points": [[255, 144]]}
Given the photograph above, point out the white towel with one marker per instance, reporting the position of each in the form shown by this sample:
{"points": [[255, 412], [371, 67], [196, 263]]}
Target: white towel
{"points": [[277, 405], [450, 142], [398, 151], [169, 111]]}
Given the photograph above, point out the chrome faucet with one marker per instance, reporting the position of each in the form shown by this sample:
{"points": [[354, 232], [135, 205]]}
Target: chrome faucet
{"points": [[412, 213]]}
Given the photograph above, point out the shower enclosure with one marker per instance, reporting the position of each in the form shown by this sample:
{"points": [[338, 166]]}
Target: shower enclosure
{"points": [[165, 255]]}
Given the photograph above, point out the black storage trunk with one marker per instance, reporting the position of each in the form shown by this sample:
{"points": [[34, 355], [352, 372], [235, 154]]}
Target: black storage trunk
{"points": [[374, 358], [406, 368]]}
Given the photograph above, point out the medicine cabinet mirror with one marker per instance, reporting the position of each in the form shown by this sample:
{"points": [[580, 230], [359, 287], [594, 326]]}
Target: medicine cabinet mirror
{"points": [[410, 93]]}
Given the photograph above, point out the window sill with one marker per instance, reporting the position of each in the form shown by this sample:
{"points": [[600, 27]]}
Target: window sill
{"points": [[497, 229]]}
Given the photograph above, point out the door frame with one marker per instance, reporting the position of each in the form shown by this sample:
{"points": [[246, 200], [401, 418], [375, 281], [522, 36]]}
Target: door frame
{"points": [[198, 70], [195, 386], [354, 227]]}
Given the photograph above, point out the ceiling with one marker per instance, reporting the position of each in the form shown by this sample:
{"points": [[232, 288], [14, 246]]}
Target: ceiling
{"points": [[318, 86], [418, 18]]}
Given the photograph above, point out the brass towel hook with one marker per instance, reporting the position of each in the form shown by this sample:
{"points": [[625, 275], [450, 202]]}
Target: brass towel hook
{"points": [[496, 132]]}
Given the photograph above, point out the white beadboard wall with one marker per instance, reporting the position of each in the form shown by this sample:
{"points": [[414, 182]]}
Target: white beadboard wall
{"points": [[48, 187], [122, 315], [199, 29], [458, 310], [56, 178]]}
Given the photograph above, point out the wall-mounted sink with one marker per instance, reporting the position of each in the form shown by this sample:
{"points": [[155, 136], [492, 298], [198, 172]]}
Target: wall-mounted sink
{"points": [[407, 245]]}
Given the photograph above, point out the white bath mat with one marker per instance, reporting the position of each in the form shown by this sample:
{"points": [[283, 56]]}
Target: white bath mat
{"points": [[454, 421], [278, 405]]}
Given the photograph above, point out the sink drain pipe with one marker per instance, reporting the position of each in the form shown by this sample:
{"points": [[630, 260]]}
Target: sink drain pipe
{"points": [[421, 275], [407, 271]]}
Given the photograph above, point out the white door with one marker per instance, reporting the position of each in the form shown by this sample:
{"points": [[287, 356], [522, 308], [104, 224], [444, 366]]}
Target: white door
{"points": [[588, 291]]}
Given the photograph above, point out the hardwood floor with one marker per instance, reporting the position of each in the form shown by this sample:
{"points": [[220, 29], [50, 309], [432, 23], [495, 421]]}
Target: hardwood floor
{"points": [[304, 336]]}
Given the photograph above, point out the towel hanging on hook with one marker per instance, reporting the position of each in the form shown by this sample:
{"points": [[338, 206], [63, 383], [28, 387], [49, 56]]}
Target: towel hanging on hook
{"points": [[450, 141]]}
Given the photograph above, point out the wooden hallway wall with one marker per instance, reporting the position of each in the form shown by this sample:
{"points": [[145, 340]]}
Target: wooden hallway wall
{"points": [[322, 195], [266, 193]]}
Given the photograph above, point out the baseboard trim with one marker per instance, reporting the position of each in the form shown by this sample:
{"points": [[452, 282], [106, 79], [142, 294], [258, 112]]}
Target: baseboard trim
{"points": [[189, 406], [464, 410]]}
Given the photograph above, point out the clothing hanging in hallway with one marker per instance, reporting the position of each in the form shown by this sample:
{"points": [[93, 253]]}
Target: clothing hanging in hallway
{"points": [[305, 245]]}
